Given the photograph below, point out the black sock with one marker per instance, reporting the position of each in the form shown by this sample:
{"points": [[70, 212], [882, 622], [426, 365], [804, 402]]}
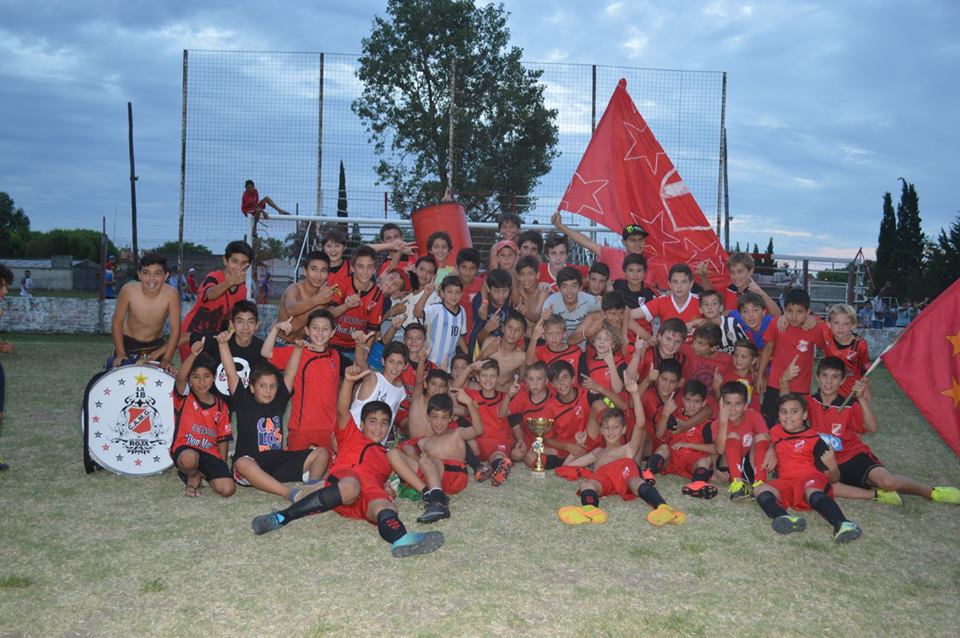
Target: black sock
{"points": [[436, 495], [389, 526], [650, 495], [589, 497], [552, 462], [471, 459], [324, 499], [770, 505], [655, 463], [702, 474], [496, 463], [827, 508]]}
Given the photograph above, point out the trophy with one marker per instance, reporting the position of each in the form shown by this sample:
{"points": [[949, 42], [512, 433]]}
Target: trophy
{"points": [[539, 427]]}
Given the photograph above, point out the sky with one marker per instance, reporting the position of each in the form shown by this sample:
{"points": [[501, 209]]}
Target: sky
{"points": [[828, 103]]}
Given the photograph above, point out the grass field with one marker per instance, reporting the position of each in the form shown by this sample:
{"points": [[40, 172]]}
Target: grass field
{"points": [[105, 555]]}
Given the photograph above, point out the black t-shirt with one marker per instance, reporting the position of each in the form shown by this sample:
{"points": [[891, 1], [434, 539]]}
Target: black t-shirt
{"points": [[631, 298], [243, 358], [259, 425]]}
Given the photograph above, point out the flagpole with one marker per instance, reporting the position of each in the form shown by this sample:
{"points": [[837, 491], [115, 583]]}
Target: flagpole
{"points": [[876, 362]]}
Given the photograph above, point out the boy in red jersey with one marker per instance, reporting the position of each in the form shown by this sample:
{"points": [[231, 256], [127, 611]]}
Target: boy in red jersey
{"points": [[494, 445], [313, 414], [570, 411], [468, 267], [689, 451], [740, 434], [531, 400], [680, 303], [312, 292], [613, 311], [703, 359], [219, 290], [334, 244], [670, 338], [840, 341], [659, 387], [862, 475], [805, 468], [743, 368], [202, 432], [362, 307], [740, 266], [634, 238], [355, 485], [795, 343], [557, 250], [251, 204], [552, 328], [601, 373], [616, 472]]}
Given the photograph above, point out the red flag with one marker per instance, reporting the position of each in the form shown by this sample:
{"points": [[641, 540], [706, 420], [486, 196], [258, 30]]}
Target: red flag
{"points": [[625, 178], [926, 363]]}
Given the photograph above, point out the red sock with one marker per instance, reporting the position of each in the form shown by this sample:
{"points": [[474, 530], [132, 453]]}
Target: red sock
{"points": [[759, 453], [734, 457]]}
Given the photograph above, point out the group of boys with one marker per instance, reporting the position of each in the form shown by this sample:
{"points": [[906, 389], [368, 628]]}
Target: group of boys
{"points": [[452, 362]]}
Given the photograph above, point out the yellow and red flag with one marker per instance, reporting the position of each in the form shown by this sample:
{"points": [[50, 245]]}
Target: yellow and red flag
{"points": [[625, 178], [926, 363]]}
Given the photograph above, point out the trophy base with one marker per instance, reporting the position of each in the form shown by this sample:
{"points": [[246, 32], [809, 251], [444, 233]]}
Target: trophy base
{"points": [[536, 474]]}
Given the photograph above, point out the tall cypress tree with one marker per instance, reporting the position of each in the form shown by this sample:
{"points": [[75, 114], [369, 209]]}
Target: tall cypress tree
{"points": [[884, 269], [909, 248], [770, 247]]}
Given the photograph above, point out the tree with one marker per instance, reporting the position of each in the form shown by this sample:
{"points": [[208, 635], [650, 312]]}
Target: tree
{"points": [[884, 269], [756, 249], [80, 243], [736, 248], [943, 260], [14, 228], [910, 244], [504, 135], [770, 247], [172, 248]]}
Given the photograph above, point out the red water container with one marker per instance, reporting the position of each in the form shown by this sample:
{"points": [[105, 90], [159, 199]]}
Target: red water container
{"points": [[446, 216]]}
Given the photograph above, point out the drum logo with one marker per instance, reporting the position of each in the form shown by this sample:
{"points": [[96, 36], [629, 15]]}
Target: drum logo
{"points": [[139, 426]]}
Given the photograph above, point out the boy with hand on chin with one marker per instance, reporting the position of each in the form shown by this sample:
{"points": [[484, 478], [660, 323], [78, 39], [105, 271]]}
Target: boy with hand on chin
{"points": [[355, 485], [143, 307], [616, 472]]}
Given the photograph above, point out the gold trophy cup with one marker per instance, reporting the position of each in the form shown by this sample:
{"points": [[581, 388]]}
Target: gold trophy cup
{"points": [[539, 427]]}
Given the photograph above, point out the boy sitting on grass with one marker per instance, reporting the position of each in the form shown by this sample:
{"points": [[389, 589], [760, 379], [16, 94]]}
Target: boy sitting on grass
{"points": [[616, 473], [806, 467], [439, 458], [862, 474], [259, 457], [741, 433], [493, 446], [202, 433], [143, 307], [355, 485]]}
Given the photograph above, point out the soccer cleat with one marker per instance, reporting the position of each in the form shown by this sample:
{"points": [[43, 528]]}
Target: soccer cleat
{"points": [[949, 495], [738, 490], [700, 489], [847, 532], [756, 484], [483, 473], [502, 472], [416, 543], [787, 524], [665, 514], [648, 476], [595, 514], [266, 523], [580, 514], [434, 512], [888, 498]]}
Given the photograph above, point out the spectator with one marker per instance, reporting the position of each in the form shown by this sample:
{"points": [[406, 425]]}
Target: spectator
{"points": [[26, 285]]}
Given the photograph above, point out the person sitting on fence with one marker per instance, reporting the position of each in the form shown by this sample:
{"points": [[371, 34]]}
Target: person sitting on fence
{"points": [[251, 204]]}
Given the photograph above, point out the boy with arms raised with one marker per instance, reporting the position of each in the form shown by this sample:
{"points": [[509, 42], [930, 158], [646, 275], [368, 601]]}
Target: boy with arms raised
{"points": [[688, 451], [355, 485], [438, 458], [143, 307], [259, 457], [806, 467], [862, 474], [616, 473], [305, 296], [202, 432], [218, 293], [634, 238]]}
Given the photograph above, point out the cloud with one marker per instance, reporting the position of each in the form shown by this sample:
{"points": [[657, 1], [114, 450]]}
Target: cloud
{"points": [[556, 55], [613, 8], [805, 182], [636, 44]]}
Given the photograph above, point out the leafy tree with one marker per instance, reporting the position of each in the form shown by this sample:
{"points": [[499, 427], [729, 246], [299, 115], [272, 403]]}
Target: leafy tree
{"points": [[910, 244], [884, 269], [504, 136], [14, 228], [80, 243], [189, 248], [943, 260], [269, 248]]}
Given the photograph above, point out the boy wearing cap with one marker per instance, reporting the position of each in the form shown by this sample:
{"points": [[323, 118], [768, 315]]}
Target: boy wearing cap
{"points": [[634, 237]]}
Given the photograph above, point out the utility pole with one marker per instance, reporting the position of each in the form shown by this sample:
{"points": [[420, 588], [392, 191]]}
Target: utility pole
{"points": [[133, 187]]}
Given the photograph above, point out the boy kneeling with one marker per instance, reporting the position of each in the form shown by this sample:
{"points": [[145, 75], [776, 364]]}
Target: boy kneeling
{"points": [[616, 472], [355, 485]]}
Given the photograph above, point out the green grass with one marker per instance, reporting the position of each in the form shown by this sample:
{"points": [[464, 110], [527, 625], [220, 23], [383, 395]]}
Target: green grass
{"points": [[107, 555]]}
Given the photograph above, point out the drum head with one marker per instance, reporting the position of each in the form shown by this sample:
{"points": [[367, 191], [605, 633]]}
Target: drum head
{"points": [[129, 420]]}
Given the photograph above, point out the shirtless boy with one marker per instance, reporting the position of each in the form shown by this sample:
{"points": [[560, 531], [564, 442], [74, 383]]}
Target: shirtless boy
{"points": [[143, 307]]}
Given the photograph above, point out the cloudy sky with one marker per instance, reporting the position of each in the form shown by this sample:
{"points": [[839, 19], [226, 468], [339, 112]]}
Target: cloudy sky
{"points": [[828, 103]]}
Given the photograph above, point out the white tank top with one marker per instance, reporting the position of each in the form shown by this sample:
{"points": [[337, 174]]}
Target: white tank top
{"points": [[384, 391]]}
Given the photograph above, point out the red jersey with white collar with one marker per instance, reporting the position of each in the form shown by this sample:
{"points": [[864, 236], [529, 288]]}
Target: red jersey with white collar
{"points": [[201, 426]]}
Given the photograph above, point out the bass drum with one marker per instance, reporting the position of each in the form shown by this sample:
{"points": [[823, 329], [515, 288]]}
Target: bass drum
{"points": [[128, 420]]}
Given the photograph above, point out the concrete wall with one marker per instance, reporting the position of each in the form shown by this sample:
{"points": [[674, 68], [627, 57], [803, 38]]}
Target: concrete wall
{"points": [[67, 315]]}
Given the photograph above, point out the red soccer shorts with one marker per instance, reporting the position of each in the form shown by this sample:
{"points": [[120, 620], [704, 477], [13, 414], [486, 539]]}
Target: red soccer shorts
{"points": [[488, 445], [681, 462], [793, 490], [370, 491], [614, 478], [302, 439], [454, 479]]}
